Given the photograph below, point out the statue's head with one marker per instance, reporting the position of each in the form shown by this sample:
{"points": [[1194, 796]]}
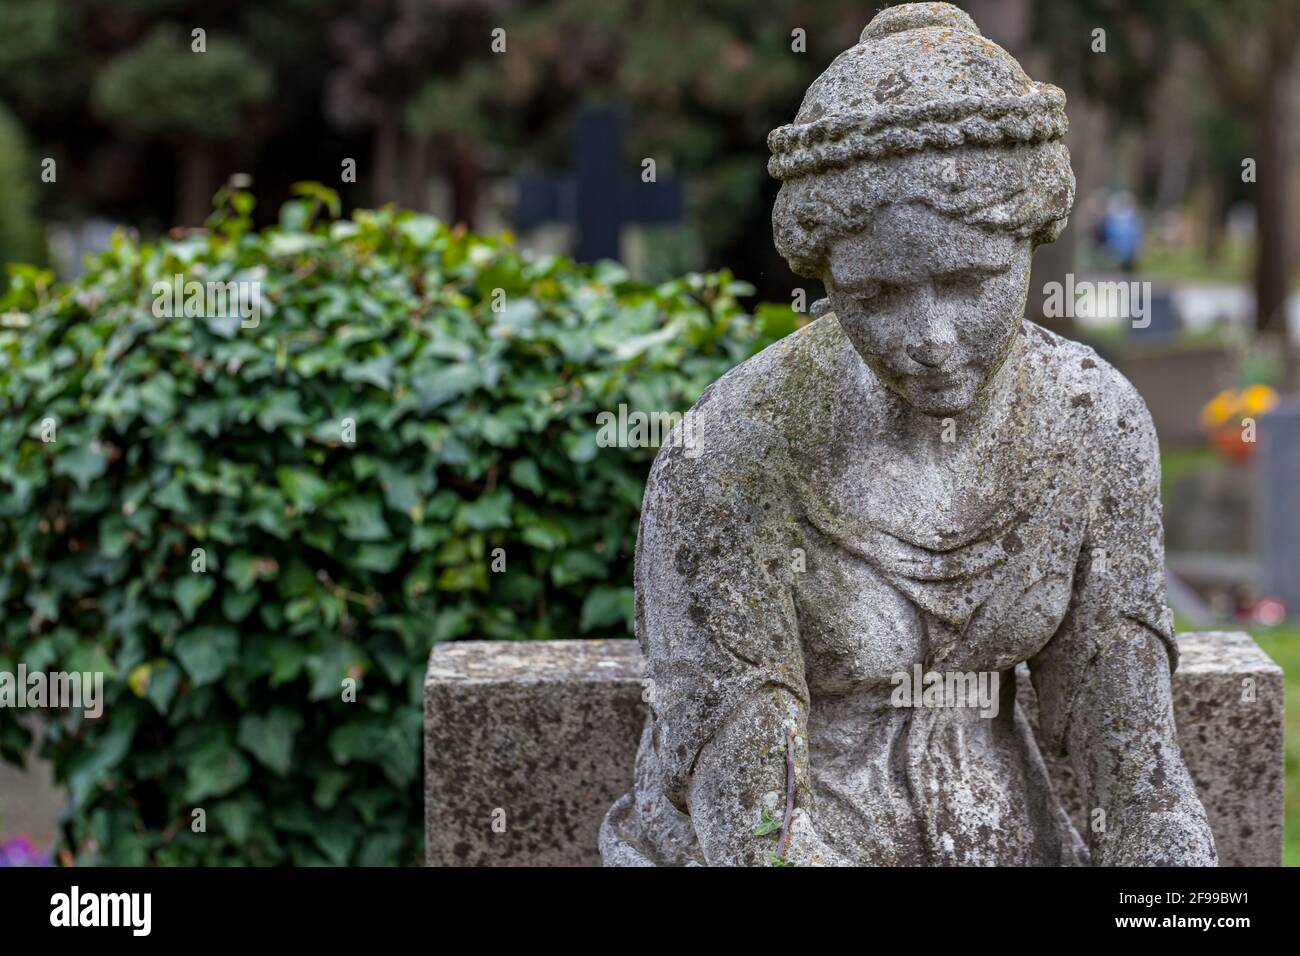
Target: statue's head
{"points": [[921, 171]]}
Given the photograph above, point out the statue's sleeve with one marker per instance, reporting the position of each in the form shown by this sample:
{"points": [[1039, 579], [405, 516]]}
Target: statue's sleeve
{"points": [[715, 608], [1119, 581]]}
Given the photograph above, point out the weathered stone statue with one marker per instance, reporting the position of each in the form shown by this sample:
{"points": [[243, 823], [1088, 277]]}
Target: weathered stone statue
{"points": [[903, 501]]}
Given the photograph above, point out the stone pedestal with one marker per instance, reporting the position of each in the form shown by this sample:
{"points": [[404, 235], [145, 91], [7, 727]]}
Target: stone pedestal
{"points": [[528, 744], [1229, 706]]}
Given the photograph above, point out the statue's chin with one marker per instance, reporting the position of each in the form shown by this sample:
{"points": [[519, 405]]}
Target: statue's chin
{"points": [[936, 400], [938, 408]]}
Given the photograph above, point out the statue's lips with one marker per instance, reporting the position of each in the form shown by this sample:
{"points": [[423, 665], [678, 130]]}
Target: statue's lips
{"points": [[936, 381]]}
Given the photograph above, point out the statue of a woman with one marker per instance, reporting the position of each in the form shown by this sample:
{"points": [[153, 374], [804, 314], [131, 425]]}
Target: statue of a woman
{"points": [[917, 490]]}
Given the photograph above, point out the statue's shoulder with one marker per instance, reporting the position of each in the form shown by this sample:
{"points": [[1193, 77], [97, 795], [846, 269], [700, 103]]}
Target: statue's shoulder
{"points": [[745, 424], [805, 358], [1084, 397], [780, 394]]}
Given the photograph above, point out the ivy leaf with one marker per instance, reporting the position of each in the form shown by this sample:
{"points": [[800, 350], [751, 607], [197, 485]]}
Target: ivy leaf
{"points": [[329, 667], [575, 565], [190, 591], [82, 464], [241, 570], [606, 606], [269, 738], [207, 653], [224, 326], [164, 679], [88, 767], [401, 491], [235, 818], [379, 742], [380, 557], [287, 660], [545, 534], [769, 826], [214, 770], [304, 489], [490, 511], [377, 371], [363, 518], [525, 473]]}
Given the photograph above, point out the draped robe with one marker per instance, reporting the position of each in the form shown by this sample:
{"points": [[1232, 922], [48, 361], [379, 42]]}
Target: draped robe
{"points": [[797, 551]]}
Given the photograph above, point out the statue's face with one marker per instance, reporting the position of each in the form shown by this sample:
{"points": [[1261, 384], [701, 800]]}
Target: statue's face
{"points": [[932, 305]]}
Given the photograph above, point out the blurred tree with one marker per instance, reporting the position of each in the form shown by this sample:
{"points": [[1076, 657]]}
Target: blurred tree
{"points": [[413, 90], [385, 52], [1250, 48], [20, 237], [40, 71], [703, 85], [1249, 51], [456, 119], [162, 88], [1224, 138]]}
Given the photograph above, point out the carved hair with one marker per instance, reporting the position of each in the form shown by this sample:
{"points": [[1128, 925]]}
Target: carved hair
{"points": [[1025, 191]]}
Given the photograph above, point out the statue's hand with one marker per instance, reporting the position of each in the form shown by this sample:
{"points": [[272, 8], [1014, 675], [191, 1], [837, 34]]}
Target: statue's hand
{"points": [[806, 848], [1176, 837]]}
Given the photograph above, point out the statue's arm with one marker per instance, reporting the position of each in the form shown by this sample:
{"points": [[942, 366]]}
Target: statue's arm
{"points": [[1142, 807], [1103, 680], [743, 769], [717, 620]]}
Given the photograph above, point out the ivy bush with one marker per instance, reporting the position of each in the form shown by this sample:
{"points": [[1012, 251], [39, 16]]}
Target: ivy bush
{"points": [[201, 530]]}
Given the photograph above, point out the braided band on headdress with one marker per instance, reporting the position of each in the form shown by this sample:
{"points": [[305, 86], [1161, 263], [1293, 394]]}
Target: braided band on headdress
{"points": [[841, 139]]}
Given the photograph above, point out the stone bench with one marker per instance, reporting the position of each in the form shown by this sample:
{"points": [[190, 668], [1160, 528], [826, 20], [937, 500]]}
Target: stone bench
{"points": [[526, 744]]}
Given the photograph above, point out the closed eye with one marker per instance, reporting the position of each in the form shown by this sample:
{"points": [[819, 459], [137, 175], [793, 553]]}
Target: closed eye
{"points": [[973, 276], [867, 291]]}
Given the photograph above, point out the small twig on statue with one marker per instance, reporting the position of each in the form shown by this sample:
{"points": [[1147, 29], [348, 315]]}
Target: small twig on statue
{"points": [[789, 794]]}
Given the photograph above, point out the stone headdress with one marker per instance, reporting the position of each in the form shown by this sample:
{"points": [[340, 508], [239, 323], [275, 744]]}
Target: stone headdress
{"points": [[923, 109]]}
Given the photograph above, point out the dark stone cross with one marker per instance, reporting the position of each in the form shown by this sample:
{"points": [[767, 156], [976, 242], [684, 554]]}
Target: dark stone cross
{"points": [[597, 197]]}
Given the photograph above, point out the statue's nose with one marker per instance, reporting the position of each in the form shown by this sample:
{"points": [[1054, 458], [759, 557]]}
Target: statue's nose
{"points": [[931, 354], [934, 330]]}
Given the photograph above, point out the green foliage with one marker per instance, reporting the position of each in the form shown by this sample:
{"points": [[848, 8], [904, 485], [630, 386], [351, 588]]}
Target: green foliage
{"points": [[475, 429], [161, 87], [1283, 645], [768, 826]]}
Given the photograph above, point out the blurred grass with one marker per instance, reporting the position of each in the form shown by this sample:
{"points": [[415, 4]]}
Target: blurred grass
{"points": [[1283, 645], [1177, 462], [1186, 263]]}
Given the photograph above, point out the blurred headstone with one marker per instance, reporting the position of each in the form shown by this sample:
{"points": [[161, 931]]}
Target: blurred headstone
{"points": [[71, 244], [599, 197], [1211, 509], [1278, 475], [1165, 320]]}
